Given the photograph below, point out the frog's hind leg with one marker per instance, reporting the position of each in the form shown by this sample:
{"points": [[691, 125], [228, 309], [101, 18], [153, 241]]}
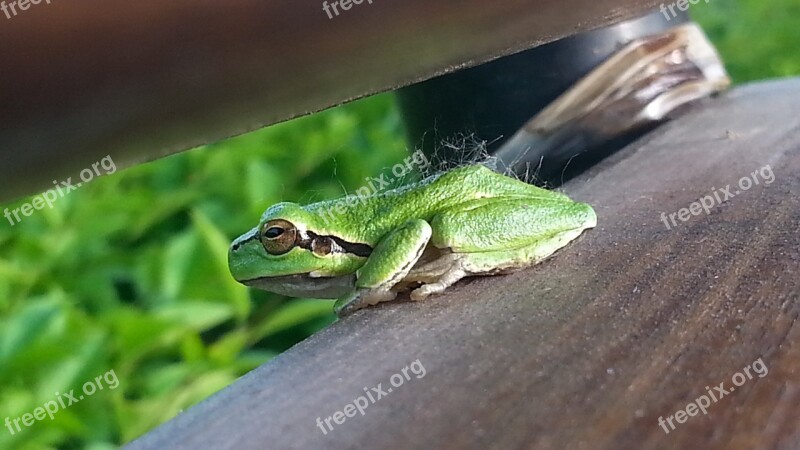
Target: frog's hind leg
{"points": [[496, 237], [442, 273]]}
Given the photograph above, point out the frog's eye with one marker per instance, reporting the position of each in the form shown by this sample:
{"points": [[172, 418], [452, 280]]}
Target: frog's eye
{"points": [[278, 236]]}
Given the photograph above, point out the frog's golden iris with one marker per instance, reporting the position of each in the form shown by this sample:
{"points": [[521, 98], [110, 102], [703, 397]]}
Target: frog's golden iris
{"points": [[278, 236]]}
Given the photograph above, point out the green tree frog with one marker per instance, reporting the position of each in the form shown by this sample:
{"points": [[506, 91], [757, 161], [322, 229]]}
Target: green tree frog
{"points": [[421, 237]]}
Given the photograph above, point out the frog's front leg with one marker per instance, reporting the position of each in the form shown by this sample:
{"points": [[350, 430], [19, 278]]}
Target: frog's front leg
{"points": [[387, 265]]}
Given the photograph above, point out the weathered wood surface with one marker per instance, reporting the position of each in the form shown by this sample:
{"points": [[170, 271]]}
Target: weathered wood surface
{"points": [[588, 349], [140, 79]]}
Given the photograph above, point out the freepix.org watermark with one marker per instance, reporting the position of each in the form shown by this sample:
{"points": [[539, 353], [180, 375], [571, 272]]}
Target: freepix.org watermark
{"points": [[373, 394], [336, 4], [62, 401], [704, 401], [682, 5], [375, 185], [10, 8], [719, 196], [63, 188]]}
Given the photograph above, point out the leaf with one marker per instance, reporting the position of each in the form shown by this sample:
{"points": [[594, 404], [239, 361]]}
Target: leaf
{"points": [[217, 243], [196, 315], [25, 327], [289, 315]]}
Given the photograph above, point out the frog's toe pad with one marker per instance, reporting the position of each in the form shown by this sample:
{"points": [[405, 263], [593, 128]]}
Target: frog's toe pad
{"points": [[448, 279], [361, 299], [424, 291]]}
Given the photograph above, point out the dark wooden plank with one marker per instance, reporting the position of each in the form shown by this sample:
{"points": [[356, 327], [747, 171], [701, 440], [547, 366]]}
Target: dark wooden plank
{"points": [[588, 349], [140, 79]]}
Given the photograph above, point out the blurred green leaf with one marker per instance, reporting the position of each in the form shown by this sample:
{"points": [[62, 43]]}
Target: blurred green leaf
{"points": [[20, 330], [218, 245], [195, 315], [291, 314]]}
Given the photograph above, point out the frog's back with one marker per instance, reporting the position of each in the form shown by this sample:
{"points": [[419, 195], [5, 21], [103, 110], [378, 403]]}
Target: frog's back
{"points": [[448, 189], [478, 181], [379, 213]]}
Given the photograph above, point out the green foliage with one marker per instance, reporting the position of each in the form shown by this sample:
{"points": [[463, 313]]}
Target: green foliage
{"points": [[757, 39], [129, 272]]}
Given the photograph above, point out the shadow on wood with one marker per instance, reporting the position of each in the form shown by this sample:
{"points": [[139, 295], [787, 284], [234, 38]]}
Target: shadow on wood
{"points": [[587, 350], [138, 80]]}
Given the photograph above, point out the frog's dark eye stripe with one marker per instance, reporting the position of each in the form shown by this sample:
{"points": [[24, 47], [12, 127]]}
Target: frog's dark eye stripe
{"points": [[354, 248], [325, 245], [279, 236], [244, 240]]}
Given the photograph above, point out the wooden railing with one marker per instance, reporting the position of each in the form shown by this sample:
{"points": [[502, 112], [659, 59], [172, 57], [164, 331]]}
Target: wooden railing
{"points": [[633, 322]]}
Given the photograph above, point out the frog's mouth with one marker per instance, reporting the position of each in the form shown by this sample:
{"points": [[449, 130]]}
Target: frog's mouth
{"points": [[304, 285]]}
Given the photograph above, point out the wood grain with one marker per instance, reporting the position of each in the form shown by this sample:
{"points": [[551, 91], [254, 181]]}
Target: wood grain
{"points": [[588, 349], [138, 80]]}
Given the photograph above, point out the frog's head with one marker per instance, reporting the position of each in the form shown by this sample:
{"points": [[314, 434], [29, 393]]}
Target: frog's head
{"points": [[285, 254]]}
